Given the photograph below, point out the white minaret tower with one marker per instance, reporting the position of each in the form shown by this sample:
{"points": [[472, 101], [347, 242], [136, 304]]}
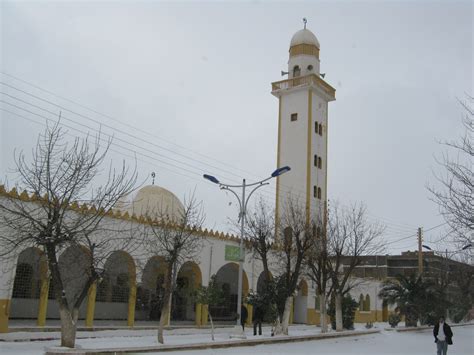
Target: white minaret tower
{"points": [[302, 128]]}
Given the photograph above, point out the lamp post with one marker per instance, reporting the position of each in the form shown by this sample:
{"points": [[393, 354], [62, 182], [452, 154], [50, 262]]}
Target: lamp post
{"points": [[243, 201]]}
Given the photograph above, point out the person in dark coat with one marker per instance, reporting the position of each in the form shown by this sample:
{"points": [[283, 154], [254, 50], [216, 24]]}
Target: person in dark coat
{"points": [[259, 313], [243, 316], [443, 336]]}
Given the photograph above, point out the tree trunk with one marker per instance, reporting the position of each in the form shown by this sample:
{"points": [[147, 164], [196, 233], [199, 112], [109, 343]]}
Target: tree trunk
{"points": [[338, 300], [212, 326], [68, 327], [165, 311], [286, 315], [323, 313], [278, 329]]}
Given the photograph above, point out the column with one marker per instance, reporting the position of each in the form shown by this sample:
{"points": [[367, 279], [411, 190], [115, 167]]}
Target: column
{"points": [[132, 299], [250, 314], [43, 302], [91, 294], [198, 314], [204, 314], [4, 315]]}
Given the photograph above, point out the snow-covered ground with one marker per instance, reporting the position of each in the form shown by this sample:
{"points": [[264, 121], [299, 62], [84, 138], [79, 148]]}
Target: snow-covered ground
{"points": [[388, 342], [406, 343]]}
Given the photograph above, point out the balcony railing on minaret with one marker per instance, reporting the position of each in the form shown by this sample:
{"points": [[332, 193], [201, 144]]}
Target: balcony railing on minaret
{"points": [[311, 79]]}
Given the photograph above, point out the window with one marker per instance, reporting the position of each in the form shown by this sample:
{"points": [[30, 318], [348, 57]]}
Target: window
{"points": [[320, 129], [294, 117], [319, 192], [296, 71], [315, 191], [316, 160], [320, 163], [316, 125]]}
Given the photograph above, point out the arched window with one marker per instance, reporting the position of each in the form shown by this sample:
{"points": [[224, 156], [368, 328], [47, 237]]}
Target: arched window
{"points": [[315, 191], [320, 129], [120, 289], [23, 285], [361, 302], [319, 192], [296, 71], [316, 127], [103, 290], [320, 162], [367, 303], [315, 160]]}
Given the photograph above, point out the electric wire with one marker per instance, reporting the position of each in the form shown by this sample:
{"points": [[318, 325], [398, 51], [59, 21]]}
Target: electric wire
{"points": [[391, 225]]}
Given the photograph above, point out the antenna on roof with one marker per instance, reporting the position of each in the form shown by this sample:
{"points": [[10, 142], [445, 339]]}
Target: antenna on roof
{"points": [[304, 22], [153, 178]]}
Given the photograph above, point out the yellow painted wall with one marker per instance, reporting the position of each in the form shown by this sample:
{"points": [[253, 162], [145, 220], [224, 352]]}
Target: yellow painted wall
{"points": [[250, 313], [4, 314], [198, 314], [311, 317], [204, 313], [364, 317], [317, 317]]}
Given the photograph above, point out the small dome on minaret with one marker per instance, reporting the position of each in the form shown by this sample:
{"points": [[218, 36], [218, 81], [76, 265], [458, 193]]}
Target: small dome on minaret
{"points": [[304, 36], [304, 54]]}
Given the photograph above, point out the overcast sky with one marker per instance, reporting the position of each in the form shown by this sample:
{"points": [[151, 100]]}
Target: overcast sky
{"points": [[186, 85]]}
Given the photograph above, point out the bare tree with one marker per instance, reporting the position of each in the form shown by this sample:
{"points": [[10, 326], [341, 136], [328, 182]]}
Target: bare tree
{"points": [[260, 231], [177, 239], [296, 241], [318, 269], [47, 214], [349, 236], [455, 197]]}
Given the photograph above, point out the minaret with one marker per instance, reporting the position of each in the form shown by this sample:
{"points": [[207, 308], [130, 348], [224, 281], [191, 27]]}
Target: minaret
{"points": [[302, 128]]}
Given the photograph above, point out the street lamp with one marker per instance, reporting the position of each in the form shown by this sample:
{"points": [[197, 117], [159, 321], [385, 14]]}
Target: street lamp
{"points": [[243, 201]]}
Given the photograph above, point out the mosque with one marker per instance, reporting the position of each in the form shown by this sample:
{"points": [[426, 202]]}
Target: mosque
{"points": [[130, 294]]}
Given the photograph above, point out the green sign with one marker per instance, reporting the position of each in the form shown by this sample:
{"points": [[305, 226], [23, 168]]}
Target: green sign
{"points": [[232, 253]]}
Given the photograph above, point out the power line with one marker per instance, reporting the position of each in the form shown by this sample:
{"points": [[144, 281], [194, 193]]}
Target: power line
{"points": [[391, 225], [123, 123], [386, 221]]}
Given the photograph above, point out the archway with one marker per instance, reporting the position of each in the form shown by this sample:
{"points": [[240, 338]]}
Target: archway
{"points": [[31, 268], [301, 303], [113, 291], [227, 277], [151, 290], [189, 278]]}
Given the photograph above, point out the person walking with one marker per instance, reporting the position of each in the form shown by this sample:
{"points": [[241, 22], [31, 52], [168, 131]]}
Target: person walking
{"points": [[243, 316], [443, 336], [258, 319]]}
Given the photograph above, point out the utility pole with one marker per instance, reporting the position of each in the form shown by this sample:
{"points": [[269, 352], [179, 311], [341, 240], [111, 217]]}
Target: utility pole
{"points": [[420, 251]]}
